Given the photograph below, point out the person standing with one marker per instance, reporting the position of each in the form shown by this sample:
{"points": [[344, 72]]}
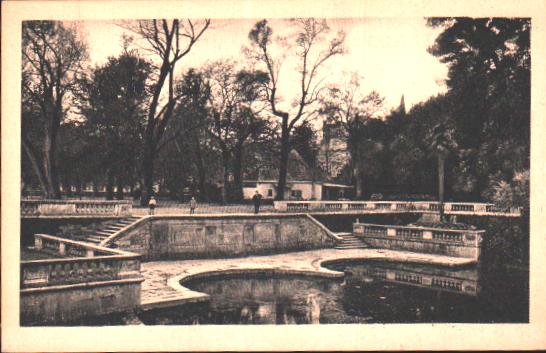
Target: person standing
{"points": [[257, 198], [151, 204], [193, 204]]}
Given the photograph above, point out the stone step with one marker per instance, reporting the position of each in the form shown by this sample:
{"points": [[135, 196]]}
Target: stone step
{"points": [[124, 224], [95, 239], [115, 228], [104, 232], [351, 247], [92, 240]]}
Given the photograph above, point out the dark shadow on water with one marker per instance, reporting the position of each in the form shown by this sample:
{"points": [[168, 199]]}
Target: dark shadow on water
{"points": [[371, 292]]}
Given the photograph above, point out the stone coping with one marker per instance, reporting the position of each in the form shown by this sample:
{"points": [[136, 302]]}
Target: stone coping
{"points": [[95, 202], [315, 202], [75, 286], [110, 254], [163, 285], [204, 216], [459, 231]]}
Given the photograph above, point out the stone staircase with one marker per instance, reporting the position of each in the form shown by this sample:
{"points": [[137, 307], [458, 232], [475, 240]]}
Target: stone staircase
{"points": [[98, 235], [349, 241]]}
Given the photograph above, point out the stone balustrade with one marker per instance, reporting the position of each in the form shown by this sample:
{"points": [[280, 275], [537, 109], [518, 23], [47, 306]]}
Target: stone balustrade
{"points": [[80, 280], [462, 281], [78, 263], [460, 243], [75, 208], [454, 208]]}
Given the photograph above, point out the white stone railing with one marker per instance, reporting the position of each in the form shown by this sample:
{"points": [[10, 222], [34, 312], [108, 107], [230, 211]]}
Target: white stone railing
{"points": [[75, 208], [454, 208], [467, 237], [79, 263]]}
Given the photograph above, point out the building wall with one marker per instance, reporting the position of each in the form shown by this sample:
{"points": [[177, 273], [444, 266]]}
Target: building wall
{"points": [[209, 237], [263, 188], [305, 188]]}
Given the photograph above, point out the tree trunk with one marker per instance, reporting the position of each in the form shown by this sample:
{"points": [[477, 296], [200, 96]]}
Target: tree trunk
{"points": [[201, 170], [119, 191], [357, 175], [225, 176], [95, 188], [148, 161], [110, 184], [283, 167], [238, 173], [79, 189], [32, 156], [441, 172], [50, 171]]}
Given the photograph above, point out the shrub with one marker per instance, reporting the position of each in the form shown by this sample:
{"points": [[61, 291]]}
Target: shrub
{"points": [[510, 194]]}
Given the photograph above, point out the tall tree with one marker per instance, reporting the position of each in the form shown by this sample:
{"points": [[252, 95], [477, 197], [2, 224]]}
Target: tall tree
{"points": [[489, 84], [235, 112], [442, 142], [348, 109], [191, 148], [52, 62], [170, 41], [113, 99], [309, 34]]}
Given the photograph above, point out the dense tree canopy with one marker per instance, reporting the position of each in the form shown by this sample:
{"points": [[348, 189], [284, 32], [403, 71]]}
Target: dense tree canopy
{"points": [[136, 123]]}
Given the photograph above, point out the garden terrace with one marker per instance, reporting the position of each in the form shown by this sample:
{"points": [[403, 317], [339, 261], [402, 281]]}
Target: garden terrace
{"points": [[451, 242], [365, 207], [78, 279], [75, 208]]}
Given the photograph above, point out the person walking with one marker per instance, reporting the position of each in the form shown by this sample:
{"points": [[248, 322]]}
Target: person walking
{"points": [[151, 204], [257, 198], [193, 204]]}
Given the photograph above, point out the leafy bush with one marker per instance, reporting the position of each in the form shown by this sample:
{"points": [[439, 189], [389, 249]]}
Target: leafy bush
{"points": [[510, 194]]}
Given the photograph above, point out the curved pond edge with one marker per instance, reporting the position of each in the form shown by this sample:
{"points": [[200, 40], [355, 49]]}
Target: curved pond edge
{"points": [[312, 268]]}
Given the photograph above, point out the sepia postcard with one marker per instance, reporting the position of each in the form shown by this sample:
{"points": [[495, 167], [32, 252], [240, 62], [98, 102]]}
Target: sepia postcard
{"points": [[273, 175]]}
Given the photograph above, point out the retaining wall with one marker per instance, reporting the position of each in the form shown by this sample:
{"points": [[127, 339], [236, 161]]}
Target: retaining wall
{"points": [[182, 237], [87, 280], [458, 243]]}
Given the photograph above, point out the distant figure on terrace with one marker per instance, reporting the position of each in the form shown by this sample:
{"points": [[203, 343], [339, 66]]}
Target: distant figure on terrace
{"points": [[193, 204], [151, 204], [257, 198]]}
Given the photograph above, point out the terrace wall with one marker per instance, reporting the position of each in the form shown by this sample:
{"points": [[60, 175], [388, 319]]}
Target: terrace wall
{"points": [[183, 237], [88, 281], [458, 243]]}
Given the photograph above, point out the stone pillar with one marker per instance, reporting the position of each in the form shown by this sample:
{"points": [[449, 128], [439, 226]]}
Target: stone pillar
{"points": [[90, 253], [62, 248], [38, 243], [427, 234]]}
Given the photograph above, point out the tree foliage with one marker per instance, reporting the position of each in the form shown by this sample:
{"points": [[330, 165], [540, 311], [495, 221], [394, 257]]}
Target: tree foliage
{"points": [[306, 47], [52, 61]]}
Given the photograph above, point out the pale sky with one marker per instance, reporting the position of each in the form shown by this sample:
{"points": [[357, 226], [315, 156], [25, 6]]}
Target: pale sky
{"points": [[389, 53]]}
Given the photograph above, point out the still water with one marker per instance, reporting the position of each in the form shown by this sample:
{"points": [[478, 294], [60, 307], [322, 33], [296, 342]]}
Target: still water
{"points": [[371, 292]]}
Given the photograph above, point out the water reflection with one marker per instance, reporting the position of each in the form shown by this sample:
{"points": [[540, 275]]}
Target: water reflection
{"points": [[370, 292], [313, 309], [461, 281]]}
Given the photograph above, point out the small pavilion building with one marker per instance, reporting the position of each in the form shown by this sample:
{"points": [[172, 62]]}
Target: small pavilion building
{"points": [[302, 183]]}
